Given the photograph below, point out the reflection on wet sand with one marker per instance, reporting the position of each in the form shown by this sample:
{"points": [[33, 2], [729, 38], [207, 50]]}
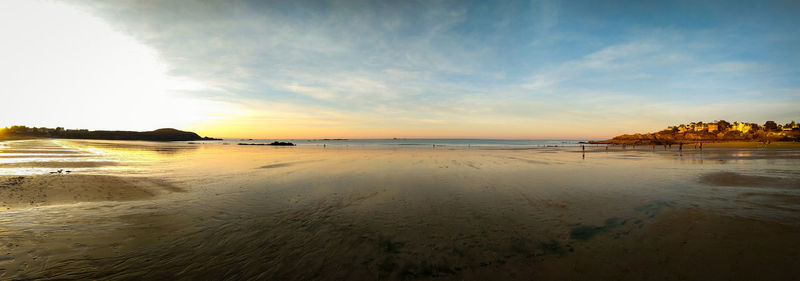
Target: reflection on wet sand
{"points": [[310, 213], [736, 179]]}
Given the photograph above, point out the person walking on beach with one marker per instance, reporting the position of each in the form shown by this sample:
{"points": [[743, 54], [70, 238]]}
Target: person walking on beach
{"points": [[680, 147], [701, 146]]}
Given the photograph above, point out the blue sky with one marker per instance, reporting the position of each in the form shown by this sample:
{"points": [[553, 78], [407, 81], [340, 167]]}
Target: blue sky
{"points": [[514, 69]]}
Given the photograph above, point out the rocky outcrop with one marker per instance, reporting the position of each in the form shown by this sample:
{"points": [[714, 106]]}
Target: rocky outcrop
{"points": [[719, 131]]}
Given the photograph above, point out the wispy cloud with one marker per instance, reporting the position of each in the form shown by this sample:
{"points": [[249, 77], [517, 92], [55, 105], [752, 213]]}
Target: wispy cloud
{"points": [[468, 65]]}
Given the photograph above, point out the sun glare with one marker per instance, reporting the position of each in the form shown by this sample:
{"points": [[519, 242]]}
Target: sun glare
{"points": [[64, 67]]}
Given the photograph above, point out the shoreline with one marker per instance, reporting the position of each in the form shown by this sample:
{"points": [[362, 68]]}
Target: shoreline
{"points": [[716, 144]]}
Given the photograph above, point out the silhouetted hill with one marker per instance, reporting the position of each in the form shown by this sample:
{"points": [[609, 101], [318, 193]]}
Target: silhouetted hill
{"points": [[165, 134]]}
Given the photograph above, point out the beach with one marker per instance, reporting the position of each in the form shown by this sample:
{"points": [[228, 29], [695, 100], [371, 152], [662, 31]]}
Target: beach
{"points": [[179, 211]]}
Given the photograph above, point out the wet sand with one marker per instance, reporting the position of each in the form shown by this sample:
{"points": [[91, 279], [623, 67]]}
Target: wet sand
{"points": [[310, 213], [686, 244], [71, 164], [742, 144], [44, 190]]}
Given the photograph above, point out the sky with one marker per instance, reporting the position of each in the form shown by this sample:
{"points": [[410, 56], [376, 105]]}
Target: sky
{"points": [[411, 69]]}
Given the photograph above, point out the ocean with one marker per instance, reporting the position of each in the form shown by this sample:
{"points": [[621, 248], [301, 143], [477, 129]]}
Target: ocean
{"points": [[415, 142]]}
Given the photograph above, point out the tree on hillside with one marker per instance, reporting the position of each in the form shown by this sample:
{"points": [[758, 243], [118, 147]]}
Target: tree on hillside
{"points": [[770, 126], [723, 125]]}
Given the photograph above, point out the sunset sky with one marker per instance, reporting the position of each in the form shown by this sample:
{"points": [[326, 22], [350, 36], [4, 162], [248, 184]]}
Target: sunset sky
{"points": [[363, 69]]}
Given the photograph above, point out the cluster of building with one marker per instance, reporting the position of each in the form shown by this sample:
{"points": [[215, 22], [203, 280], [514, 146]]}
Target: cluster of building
{"points": [[724, 127]]}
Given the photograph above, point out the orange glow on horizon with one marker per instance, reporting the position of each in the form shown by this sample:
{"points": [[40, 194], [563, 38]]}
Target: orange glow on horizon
{"points": [[344, 132]]}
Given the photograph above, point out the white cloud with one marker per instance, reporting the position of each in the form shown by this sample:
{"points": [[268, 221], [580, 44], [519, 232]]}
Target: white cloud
{"points": [[63, 67]]}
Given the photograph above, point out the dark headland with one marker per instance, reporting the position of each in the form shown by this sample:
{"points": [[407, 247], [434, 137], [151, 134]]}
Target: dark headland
{"points": [[718, 131], [166, 134]]}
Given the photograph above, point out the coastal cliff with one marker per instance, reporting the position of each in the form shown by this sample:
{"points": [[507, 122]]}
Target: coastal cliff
{"points": [[166, 134], [718, 131]]}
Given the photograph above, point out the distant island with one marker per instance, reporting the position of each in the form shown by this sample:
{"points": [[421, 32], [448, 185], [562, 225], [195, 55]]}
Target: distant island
{"points": [[166, 134], [718, 131]]}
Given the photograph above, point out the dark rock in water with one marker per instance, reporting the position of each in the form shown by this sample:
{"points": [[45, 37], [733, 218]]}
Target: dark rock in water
{"points": [[277, 143]]}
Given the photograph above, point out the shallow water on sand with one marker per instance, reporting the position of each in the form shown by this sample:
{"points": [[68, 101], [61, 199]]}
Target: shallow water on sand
{"points": [[311, 213]]}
